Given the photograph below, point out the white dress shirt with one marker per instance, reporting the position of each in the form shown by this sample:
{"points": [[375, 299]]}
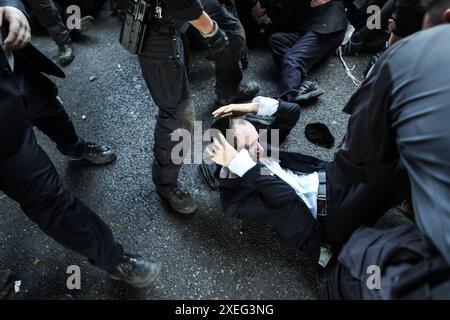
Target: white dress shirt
{"points": [[305, 185], [8, 54]]}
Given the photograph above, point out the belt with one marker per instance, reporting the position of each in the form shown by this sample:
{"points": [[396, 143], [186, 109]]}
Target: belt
{"points": [[322, 200], [162, 28]]}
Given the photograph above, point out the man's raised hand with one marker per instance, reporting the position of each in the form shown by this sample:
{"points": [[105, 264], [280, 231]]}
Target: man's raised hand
{"points": [[221, 152], [235, 110]]}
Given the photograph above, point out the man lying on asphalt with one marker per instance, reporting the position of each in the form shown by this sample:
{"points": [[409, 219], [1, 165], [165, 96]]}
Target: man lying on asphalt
{"points": [[307, 200], [282, 119], [27, 99]]}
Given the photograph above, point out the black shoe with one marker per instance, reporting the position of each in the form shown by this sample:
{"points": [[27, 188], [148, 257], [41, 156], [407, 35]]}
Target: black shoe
{"points": [[94, 153], [65, 54], [208, 171], [7, 279], [246, 92], [309, 92], [136, 271], [179, 200]]}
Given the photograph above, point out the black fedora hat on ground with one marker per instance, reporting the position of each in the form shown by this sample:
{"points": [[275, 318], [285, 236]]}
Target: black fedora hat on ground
{"points": [[320, 135]]}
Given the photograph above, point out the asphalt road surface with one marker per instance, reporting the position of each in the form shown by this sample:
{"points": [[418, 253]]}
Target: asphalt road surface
{"points": [[204, 257]]}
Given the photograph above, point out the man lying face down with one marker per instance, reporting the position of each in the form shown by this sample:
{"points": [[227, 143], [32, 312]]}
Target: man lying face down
{"points": [[307, 200]]}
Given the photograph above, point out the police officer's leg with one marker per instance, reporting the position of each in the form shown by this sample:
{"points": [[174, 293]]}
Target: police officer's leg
{"points": [[30, 178], [53, 120], [231, 8], [228, 71], [164, 71], [47, 113], [51, 19]]}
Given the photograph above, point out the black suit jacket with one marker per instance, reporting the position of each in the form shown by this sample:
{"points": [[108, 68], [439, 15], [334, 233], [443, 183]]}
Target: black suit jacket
{"points": [[269, 200], [298, 15], [13, 119], [326, 19]]}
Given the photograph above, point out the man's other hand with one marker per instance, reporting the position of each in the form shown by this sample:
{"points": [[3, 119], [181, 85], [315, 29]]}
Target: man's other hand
{"points": [[19, 35], [236, 110]]}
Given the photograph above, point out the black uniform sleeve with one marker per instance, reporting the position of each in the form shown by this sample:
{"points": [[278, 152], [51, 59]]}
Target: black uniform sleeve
{"points": [[408, 15], [184, 10], [368, 153]]}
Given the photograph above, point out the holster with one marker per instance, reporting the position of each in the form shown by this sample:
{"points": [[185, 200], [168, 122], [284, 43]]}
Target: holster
{"points": [[138, 15]]}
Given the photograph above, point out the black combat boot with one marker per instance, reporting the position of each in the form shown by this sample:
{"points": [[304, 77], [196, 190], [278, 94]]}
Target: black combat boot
{"points": [[179, 200], [136, 271], [65, 54], [93, 153], [245, 92]]}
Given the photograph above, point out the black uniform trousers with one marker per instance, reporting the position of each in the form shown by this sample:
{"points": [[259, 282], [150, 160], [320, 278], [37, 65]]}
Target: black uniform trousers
{"points": [[51, 18], [29, 177], [163, 66], [296, 53]]}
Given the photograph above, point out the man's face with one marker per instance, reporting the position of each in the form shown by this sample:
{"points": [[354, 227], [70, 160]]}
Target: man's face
{"points": [[246, 137]]}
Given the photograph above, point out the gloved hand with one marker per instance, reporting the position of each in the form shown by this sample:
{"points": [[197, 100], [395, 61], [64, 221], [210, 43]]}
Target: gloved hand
{"points": [[217, 40]]}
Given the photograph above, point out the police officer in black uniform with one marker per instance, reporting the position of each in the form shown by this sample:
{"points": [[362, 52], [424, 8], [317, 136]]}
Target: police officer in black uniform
{"points": [[164, 70], [27, 99]]}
